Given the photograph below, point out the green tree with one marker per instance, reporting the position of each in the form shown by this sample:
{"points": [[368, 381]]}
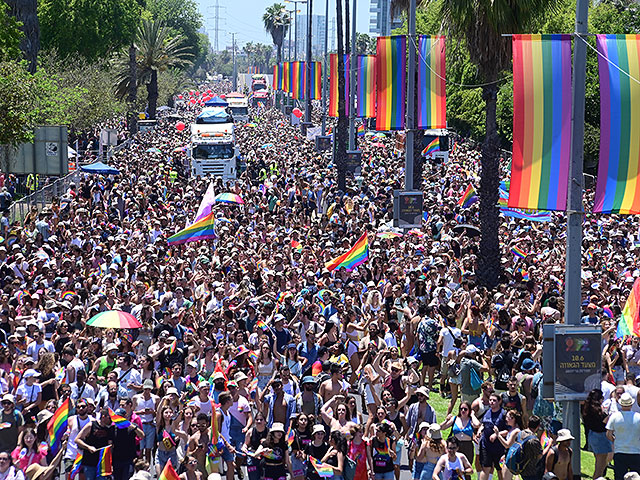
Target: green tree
{"points": [[276, 23], [480, 24], [16, 103], [10, 35], [156, 52], [182, 17], [365, 45], [91, 28]]}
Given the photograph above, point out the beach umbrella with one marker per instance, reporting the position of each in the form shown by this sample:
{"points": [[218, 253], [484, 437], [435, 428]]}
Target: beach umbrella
{"points": [[466, 229], [229, 198], [388, 234], [114, 319], [154, 150]]}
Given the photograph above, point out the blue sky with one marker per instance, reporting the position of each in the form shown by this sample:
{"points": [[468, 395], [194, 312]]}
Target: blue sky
{"points": [[245, 18]]}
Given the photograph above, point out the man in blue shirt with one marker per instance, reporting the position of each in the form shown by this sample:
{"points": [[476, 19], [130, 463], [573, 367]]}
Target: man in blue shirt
{"points": [[308, 349]]}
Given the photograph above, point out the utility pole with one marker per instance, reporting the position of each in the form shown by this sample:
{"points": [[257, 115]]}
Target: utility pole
{"points": [[216, 25], [353, 63], [307, 65], [411, 87], [573, 292], [325, 66], [235, 72]]}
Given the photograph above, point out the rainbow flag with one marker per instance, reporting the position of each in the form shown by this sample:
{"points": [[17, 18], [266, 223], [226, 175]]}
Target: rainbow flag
{"points": [[468, 198], [541, 121], [253, 356], [104, 461], [262, 325], [366, 87], [291, 436], [433, 146], [316, 369], [277, 79], [296, 245], [168, 472], [57, 425], [68, 295], [607, 311], [518, 252], [75, 467], [316, 81], [432, 95], [172, 347], [357, 255], [286, 78], [324, 470], [120, 422], [391, 67], [545, 441], [297, 72], [629, 323], [201, 230], [333, 84], [360, 130], [618, 170], [215, 428]]}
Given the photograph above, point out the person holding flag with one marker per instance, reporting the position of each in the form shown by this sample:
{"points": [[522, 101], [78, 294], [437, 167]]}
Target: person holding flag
{"points": [[92, 438]]}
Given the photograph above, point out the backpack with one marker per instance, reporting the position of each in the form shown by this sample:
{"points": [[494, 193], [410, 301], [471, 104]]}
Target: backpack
{"points": [[535, 385], [349, 468], [514, 459]]}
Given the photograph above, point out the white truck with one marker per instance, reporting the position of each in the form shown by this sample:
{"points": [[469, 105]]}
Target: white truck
{"points": [[212, 150], [239, 106]]}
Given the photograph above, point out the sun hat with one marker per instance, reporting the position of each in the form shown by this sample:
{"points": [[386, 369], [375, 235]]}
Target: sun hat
{"points": [[626, 400], [317, 429], [277, 427], [434, 432], [422, 425], [564, 434]]}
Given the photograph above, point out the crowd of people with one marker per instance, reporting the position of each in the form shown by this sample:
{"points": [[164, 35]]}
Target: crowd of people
{"points": [[255, 361]]}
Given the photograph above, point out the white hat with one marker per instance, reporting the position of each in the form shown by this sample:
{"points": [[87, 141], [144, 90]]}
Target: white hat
{"points": [[7, 397], [626, 400], [277, 427], [31, 373], [172, 390], [423, 425], [317, 429], [565, 434], [471, 349]]}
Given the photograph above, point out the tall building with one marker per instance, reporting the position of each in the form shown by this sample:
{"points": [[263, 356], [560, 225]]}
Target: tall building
{"points": [[318, 26], [381, 21]]}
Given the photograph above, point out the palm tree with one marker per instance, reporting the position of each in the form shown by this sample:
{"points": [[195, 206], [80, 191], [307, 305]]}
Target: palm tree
{"points": [[156, 51], [340, 151], [276, 23], [481, 24], [26, 12]]}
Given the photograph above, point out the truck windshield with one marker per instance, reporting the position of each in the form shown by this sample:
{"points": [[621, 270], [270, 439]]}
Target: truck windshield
{"points": [[259, 86], [240, 110], [212, 152]]}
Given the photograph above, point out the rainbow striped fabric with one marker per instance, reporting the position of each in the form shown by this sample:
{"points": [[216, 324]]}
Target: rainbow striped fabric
{"points": [[286, 79], [104, 461], [276, 77], [629, 323], [291, 436], [541, 121], [360, 130], [316, 80], [433, 146], [391, 68], [357, 255], [618, 185], [75, 467], [518, 252], [57, 425], [333, 84], [168, 472], [468, 198], [531, 215], [366, 88], [296, 74], [119, 421], [432, 95], [324, 470], [203, 229]]}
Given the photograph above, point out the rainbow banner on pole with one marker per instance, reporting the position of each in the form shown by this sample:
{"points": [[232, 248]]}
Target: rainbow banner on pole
{"points": [[201, 230], [541, 122], [57, 425], [391, 79], [276, 77], [297, 80], [286, 80], [629, 323], [432, 95], [618, 188], [333, 84], [366, 92], [316, 81], [357, 255]]}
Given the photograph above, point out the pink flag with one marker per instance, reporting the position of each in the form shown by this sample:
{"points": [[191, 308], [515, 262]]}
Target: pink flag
{"points": [[207, 203]]}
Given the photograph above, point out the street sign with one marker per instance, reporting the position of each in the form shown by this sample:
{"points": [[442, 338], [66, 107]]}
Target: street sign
{"points": [[407, 209], [354, 162], [323, 142], [578, 361]]}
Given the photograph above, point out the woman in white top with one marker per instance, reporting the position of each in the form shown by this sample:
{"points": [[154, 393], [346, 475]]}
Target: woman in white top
{"points": [[452, 465], [266, 365]]}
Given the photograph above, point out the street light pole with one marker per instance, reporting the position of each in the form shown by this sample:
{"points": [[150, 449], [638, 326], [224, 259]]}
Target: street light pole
{"points": [[235, 73], [307, 109], [353, 63], [324, 68], [411, 87]]}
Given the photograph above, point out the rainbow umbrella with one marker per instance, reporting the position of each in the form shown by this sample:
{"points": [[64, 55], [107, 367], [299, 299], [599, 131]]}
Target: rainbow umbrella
{"points": [[154, 150], [388, 234], [229, 198], [114, 319], [180, 149]]}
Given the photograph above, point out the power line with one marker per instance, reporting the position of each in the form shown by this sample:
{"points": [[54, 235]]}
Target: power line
{"points": [[216, 24]]}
